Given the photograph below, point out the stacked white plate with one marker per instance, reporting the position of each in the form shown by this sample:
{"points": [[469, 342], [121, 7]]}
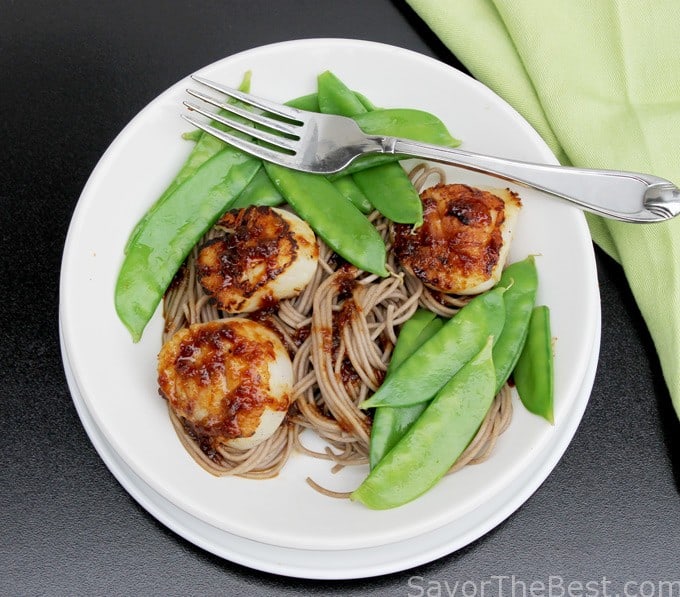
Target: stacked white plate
{"points": [[282, 525]]}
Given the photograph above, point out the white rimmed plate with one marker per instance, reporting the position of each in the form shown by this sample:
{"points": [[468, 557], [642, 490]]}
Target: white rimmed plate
{"points": [[117, 379]]}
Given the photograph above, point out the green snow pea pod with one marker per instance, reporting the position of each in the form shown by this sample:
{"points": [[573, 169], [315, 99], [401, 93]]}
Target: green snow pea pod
{"points": [[260, 191], [336, 98], [309, 102], [206, 146], [534, 372], [398, 122], [387, 186], [172, 229], [411, 336], [437, 438], [408, 123], [341, 225], [351, 191], [389, 423], [194, 135], [521, 281], [367, 103], [344, 184], [390, 190], [426, 371]]}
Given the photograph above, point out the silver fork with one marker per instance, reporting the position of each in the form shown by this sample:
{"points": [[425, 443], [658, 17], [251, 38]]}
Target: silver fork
{"points": [[326, 144]]}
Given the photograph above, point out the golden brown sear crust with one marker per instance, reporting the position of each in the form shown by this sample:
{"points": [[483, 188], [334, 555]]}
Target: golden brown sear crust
{"points": [[459, 244], [258, 247], [216, 377]]}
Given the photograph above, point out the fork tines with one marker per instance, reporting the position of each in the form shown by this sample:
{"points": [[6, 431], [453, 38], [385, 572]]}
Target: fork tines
{"points": [[246, 120]]}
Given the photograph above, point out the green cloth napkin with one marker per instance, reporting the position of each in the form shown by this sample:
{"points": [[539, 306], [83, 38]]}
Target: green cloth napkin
{"points": [[600, 81]]}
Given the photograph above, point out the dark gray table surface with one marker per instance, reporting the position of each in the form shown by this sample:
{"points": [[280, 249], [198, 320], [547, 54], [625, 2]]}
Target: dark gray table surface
{"points": [[608, 515]]}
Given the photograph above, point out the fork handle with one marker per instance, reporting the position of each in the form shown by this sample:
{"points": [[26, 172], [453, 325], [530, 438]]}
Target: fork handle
{"points": [[625, 196]]}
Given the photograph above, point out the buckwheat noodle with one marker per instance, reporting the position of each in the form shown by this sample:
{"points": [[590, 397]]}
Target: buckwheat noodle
{"points": [[340, 333]]}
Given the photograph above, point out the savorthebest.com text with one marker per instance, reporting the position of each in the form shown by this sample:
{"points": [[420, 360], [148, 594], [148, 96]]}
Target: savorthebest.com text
{"points": [[552, 586]]}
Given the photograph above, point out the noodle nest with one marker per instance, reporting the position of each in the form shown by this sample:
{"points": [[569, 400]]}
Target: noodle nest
{"points": [[340, 332]]}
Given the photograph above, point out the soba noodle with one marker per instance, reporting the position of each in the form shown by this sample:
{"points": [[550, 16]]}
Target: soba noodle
{"points": [[340, 333]]}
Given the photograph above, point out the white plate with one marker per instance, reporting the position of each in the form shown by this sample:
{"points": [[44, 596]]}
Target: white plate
{"points": [[331, 564], [117, 378]]}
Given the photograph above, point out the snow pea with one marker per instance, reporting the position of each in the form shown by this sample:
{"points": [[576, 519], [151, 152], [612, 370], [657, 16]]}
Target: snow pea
{"points": [[309, 102], [352, 192], [341, 225], [437, 438], [424, 373], [323, 102], [534, 372], [521, 281], [344, 184], [170, 231], [389, 423], [387, 186], [408, 123], [336, 98], [398, 122], [260, 191], [206, 146], [390, 190], [368, 104], [194, 135]]}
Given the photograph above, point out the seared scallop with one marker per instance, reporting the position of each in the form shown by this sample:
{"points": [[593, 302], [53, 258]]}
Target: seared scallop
{"points": [[229, 381], [266, 255], [463, 243]]}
